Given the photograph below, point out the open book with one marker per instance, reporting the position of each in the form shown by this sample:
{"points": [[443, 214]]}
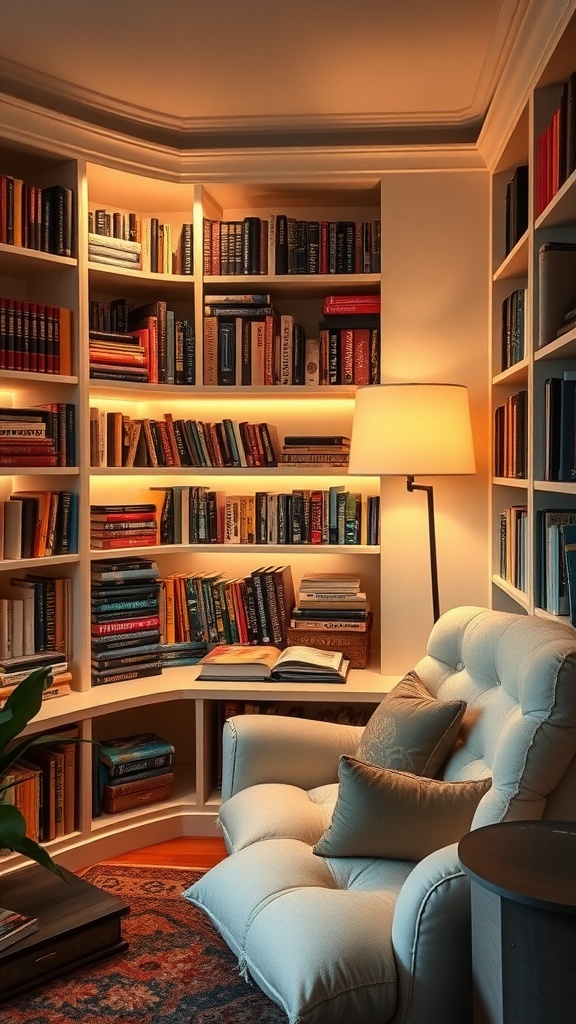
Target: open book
{"points": [[295, 664]]}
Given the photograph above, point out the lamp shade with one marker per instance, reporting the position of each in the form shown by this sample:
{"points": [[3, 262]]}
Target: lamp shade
{"points": [[412, 430]]}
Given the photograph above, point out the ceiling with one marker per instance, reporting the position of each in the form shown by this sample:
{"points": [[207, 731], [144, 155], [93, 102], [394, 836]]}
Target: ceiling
{"points": [[181, 73]]}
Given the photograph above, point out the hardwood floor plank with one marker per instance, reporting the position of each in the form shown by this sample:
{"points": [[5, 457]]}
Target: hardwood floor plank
{"points": [[185, 852]]}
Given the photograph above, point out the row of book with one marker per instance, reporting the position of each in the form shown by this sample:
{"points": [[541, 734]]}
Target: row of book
{"points": [[140, 243], [200, 515], [249, 343], [514, 327], [343, 714], [511, 437], [37, 524], [555, 534], [35, 337], [35, 622], [280, 244], [36, 218], [513, 551], [41, 435], [118, 440], [123, 526], [556, 148], [43, 786], [560, 427], [133, 610]]}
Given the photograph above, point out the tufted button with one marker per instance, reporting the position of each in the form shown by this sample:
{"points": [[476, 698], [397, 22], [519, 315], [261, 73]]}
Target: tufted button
{"points": [[459, 666]]}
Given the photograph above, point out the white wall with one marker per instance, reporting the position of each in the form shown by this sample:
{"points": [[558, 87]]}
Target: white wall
{"points": [[435, 328]]}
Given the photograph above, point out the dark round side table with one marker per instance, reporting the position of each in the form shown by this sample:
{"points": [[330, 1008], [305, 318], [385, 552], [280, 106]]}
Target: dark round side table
{"points": [[523, 892]]}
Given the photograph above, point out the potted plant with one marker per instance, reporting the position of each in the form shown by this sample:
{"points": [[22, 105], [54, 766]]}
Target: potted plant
{"points": [[22, 705]]}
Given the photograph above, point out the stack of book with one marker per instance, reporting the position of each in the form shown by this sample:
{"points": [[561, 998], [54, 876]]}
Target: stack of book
{"points": [[43, 784], [349, 339], [36, 218], [239, 339], [133, 771], [332, 611], [123, 526], [125, 627], [15, 669], [114, 252], [15, 926], [117, 355], [312, 448]]}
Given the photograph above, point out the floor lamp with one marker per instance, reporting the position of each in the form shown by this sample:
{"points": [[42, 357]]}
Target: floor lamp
{"points": [[413, 430]]}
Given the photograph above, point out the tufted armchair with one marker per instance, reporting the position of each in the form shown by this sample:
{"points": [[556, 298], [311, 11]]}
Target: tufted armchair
{"points": [[374, 938]]}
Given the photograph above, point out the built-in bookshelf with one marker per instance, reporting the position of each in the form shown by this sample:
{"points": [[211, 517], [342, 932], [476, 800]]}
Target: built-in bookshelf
{"points": [[536, 270], [388, 239]]}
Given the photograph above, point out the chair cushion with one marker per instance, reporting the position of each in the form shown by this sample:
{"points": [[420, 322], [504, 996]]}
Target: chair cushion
{"points": [[411, 730], [314, 934], [385, 813]]}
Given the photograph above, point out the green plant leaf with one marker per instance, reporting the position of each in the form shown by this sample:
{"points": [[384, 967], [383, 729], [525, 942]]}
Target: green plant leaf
{"points": [[19, 750], [13, 837], [23, 704]]}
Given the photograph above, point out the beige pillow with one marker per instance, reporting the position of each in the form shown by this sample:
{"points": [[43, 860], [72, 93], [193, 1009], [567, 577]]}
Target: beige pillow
{"points": [[384, 813], [410, 730]]}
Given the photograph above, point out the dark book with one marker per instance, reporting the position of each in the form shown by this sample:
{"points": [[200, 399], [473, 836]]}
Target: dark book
{"points": [[57, 220], [125, 755], [281, 244]]}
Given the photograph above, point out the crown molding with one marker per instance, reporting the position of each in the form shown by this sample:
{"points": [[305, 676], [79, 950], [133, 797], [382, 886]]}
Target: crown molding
{"points": [[53, 132], [535, 40]]}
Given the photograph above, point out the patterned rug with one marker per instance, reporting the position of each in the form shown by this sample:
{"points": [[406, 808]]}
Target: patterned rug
{"points": [[177, 969]]}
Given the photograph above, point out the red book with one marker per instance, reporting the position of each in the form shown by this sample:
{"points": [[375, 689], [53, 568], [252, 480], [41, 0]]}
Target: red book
{"points": [[345, 300], [125, 626], [28, 460], [351, 308], [105, 543], [316, 517]]}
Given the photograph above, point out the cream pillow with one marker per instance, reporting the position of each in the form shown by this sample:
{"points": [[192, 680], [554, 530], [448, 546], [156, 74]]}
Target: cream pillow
{"points": [[410, 730], [381, 812]]}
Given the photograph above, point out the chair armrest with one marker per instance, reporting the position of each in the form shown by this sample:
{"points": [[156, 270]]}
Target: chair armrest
{"points": [[431, 938], [276, 748]]}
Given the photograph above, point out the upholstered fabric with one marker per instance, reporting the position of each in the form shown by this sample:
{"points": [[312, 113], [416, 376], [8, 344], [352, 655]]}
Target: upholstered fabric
{"points": [[380, 812], [410, 730], [314, 934], [338, 940]]}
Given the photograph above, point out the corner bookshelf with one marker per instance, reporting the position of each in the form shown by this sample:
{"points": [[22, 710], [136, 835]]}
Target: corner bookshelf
{"points": [[551, 219], [187, 713]]}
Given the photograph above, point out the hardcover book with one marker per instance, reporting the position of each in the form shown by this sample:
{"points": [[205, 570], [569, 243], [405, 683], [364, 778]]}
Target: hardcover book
{"points": [[229, 662]]}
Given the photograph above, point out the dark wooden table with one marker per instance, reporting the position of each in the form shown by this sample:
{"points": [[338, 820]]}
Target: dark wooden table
{"points": [[523, 892], [77, 925]]}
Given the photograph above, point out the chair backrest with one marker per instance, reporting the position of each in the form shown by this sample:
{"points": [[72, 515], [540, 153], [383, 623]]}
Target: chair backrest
{"points": [[517, 674]]}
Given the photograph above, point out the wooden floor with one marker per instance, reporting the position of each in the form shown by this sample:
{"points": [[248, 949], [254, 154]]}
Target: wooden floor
{"points": [[177, 853]]}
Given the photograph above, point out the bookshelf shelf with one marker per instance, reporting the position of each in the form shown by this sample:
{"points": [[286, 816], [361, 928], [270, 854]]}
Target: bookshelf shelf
{"points": [[551, 218], [30, 263], [421, 216]]}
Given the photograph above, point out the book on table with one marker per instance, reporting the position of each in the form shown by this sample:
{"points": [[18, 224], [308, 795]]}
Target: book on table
{"points": [[15, 926], [234, 662]]}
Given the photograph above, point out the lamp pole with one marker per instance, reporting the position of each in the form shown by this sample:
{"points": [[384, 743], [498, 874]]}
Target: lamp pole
{"points": [[411, 486]]}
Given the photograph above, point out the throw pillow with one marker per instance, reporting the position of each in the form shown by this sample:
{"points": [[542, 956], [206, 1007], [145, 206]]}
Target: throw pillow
{"points": [[411, 730], [385, 813]]}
